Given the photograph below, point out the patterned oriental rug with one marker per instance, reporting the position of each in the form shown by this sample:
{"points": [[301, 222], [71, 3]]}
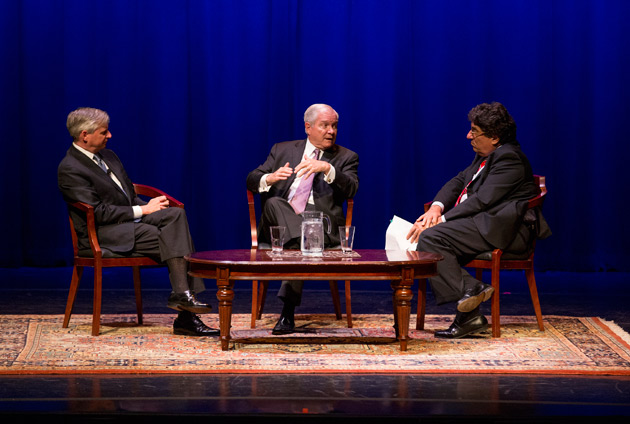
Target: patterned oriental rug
{"points": [[569, 345]]}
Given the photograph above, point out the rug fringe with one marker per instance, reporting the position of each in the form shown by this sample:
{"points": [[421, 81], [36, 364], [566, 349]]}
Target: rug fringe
{"points": [[617, 330]]}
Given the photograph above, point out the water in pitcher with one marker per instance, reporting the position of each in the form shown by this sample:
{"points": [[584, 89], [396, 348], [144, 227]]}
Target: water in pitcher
{"points": [[312, 240], [312, 243]]}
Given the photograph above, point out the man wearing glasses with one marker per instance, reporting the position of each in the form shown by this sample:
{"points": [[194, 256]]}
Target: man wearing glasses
{"points": [[480, 209]]}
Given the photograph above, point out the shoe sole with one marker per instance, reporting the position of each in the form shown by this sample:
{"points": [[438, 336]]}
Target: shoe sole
{"points": [[282, 332], [178, 307], [193, 334], [470, 333], [474, 301]]}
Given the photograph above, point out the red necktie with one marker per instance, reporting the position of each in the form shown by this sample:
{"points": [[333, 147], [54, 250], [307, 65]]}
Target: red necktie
{"points": [[465, 190]]}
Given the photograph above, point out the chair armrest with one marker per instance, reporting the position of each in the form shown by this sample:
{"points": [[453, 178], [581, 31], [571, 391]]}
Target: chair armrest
{"points": [[145, 190], [91, 228], [538, 200], [252, 219], [349, 210]]}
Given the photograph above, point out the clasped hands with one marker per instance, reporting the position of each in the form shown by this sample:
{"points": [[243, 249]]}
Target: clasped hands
{"points": [[305, 168], [154, 205], [429, 219]]}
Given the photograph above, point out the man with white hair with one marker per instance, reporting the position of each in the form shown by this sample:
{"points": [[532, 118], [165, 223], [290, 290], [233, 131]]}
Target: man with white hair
{"points": [[334, 179], [127, 225]]}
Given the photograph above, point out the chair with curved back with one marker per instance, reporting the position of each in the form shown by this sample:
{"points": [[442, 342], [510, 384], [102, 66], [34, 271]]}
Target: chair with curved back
{"points": [[497, 260], [259, 293], [98, 259]]}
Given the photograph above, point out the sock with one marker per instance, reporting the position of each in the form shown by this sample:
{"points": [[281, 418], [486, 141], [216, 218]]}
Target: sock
{"points": [[288, 311], [463, 317], [185, 315], [178, 274]]}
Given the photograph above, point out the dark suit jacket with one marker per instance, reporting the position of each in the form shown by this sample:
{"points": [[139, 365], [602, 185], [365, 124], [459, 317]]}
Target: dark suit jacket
{"points": [[82, 180], [497, 199], [328, 198]]}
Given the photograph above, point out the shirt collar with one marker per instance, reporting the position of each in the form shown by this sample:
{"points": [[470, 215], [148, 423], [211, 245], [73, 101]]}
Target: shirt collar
{"points": [[85, 152], [308, 150]]}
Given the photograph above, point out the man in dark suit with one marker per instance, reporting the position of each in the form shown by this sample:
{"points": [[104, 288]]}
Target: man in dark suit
{"points": [[335, 179], [126, 224], [480, 209]]}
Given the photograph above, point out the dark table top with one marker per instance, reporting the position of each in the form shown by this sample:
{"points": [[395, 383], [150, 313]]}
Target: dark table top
{"points": [[359, 257]]}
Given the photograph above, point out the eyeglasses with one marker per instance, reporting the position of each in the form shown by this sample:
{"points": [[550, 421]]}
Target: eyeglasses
{"points": [[474, 133]]}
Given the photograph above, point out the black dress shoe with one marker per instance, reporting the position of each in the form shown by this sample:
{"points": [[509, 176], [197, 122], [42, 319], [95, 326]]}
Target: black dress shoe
{"points": [[474, 296], [189, 324], [186, 301], [457, 331], [284, 326]]}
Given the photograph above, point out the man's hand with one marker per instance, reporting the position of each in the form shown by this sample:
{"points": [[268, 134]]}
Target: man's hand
{"points": [[311, 166], [427, 220], [281, 174], [154, 205]]}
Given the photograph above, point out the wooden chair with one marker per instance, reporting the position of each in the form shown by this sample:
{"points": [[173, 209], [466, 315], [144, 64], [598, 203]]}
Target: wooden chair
{"points": [[495, 261], [259, 293], [94, 258]]}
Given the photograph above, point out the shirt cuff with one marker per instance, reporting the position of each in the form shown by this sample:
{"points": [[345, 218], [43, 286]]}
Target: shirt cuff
{"points": [[263, 187], [137, 212], [330, 177]]}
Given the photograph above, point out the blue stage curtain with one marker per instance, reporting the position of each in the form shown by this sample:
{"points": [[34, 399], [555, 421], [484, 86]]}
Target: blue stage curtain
{"points": [[198, 91]]}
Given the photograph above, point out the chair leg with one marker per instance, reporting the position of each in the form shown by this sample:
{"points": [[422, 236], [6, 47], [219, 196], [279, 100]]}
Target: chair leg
{"points": [[77, 272], [137, 285], [496, 312], [348, 294], [479, 274], [531, 282], [262, 295], [422, 302], [334, 291], [254, 304], [98, 285]]}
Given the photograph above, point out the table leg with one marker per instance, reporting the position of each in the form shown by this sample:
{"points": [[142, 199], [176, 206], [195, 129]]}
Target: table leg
{"points": [[402, 306], [225, 295]]}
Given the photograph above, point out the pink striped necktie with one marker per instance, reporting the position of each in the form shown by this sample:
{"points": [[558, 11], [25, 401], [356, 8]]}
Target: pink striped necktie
{"points": [[300, 198]]}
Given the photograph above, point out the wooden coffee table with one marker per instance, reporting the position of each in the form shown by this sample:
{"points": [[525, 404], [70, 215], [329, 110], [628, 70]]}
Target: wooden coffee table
{"points": [[399, 267]]}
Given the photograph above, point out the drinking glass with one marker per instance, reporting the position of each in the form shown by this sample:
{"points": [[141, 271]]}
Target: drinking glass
{"points": [[277, 239], [346, 235]]}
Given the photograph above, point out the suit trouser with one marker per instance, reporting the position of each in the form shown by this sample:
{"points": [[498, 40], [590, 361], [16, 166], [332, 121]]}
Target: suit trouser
{"points": [[459, 241], [165, 237]]}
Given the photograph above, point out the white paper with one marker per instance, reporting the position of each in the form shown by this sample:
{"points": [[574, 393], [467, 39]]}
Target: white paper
{"points": [[395, 237]]}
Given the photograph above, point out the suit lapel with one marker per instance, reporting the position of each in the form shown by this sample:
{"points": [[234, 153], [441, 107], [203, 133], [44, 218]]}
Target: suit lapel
{"points": [[477, 182], [296, 155], [113, 167], [96, 170]]}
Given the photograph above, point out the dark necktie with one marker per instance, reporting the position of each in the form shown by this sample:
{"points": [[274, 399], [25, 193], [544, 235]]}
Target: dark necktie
{"points": [[100, 163]]}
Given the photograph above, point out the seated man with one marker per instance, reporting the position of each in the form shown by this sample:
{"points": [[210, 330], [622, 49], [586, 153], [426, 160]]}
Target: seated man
{"points": [[311, 174], [126, 224], [480, 209]]}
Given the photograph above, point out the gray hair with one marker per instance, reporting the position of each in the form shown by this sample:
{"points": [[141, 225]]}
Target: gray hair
{"points": [[313, 111], [86, 119]]}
